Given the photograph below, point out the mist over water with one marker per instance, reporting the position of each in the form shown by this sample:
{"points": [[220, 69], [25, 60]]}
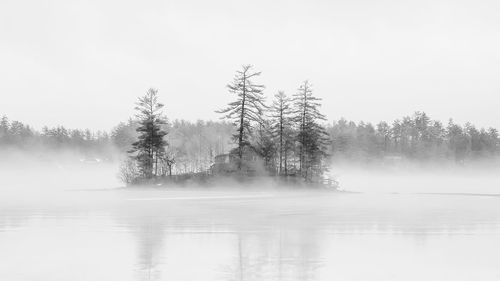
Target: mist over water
{"points": [[70, 220], [433, 178], [22, 171]]}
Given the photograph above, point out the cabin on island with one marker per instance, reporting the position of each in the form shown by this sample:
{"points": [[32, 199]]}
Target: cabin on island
{"points": [[252, 163]]}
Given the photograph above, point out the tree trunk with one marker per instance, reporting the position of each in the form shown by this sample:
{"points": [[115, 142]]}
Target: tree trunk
{"points": [[242, 120], [286, 168], [303, 128], [281, 139], [156, 163]]}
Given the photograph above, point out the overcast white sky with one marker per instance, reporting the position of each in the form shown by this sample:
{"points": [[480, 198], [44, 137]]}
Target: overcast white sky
{"points": [[84, 63]]}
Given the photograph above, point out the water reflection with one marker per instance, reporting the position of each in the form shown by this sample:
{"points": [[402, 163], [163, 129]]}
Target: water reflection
{"points": [[164, 250], [270, 236], [149, 233]]}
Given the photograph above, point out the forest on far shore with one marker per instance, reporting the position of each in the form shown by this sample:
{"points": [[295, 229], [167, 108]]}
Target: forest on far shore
{"points": [[413, 138]]}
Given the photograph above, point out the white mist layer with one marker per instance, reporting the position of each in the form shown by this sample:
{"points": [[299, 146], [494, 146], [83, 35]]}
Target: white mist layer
{"points": [[67, 220], [423, 179]]}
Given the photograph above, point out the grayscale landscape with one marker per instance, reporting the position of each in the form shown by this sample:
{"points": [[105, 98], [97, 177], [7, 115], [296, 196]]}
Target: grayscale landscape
{"points": [[249, 141]]}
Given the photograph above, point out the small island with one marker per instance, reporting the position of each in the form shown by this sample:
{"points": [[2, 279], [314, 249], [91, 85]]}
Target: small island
{"points": [[283, 142]]}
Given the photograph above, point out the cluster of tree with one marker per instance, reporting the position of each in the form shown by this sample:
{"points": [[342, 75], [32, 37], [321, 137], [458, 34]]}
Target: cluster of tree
{"points": [[288, 134], [16, 135], [186, 148], [192, 146], [414, 137]]}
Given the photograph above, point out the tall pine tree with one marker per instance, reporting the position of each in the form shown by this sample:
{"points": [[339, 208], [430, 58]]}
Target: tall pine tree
{"points": [[247, 111], [149, 149], [281, 111], [312, 138]]}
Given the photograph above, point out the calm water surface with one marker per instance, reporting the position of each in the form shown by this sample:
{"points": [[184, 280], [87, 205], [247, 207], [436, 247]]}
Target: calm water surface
{"points": [[248, 235]]}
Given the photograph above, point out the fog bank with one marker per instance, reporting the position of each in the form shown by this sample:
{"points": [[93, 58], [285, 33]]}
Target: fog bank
{"points": [[479, 178]]}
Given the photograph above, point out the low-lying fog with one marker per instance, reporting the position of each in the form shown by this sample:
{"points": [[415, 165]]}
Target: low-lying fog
{"points": [[426, 179], [20, 172], [70, 220]]}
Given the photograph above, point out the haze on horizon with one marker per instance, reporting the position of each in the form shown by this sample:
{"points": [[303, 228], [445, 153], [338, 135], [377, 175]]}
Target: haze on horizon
{"points": [[83, 64]]}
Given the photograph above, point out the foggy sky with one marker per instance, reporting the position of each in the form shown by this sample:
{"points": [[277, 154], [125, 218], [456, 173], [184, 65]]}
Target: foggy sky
{"points": [[84, 63]]}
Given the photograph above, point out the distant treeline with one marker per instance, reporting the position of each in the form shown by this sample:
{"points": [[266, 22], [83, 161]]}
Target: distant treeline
{"points": [[194, 144], [415, 137], [16, 135]]}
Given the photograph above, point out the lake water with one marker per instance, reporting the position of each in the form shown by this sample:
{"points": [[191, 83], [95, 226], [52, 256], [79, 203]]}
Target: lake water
{"points": [[253, 234]]}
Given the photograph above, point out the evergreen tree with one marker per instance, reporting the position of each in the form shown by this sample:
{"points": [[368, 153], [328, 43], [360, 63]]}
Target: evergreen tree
{"points": [[457, 141], [281, 111], [149, 149], [265, 145], [493, 141], [246, 112], [312, 137], [383, 134], [4, 130]]}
